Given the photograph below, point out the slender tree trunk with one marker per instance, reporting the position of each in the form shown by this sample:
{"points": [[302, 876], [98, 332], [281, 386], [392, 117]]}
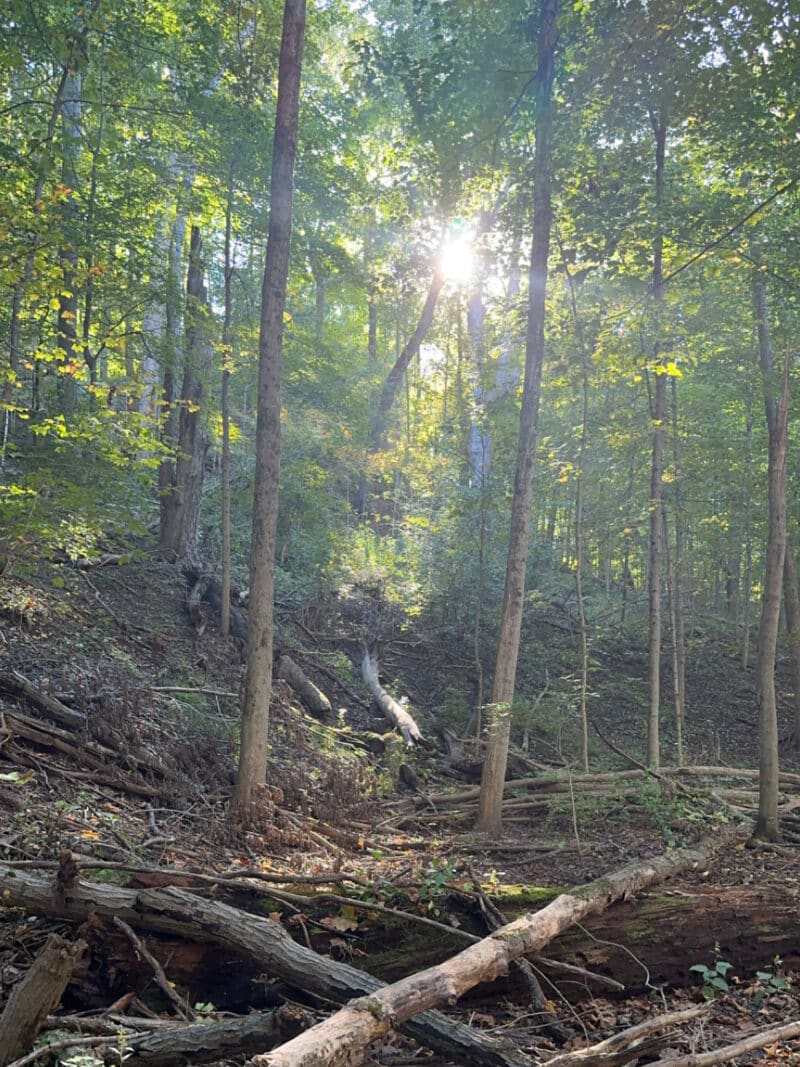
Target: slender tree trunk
{"points": [[394, 380], [180, 503], [258, 678], [89, 240], [67, 336], [777, 410], [494, 768], [748, 534], [675, 580], [225, 405], [791, 595], [658, 413]]}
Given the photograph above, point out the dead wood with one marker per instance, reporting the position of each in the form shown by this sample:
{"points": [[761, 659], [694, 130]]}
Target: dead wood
{"points": [[208, 1042], [13, 682], [183, 1010], [35, 995], [389, 706], [307, 693], [629, 1044], [495, 919], [341, 1037], [738, 1048], [176, 911]]}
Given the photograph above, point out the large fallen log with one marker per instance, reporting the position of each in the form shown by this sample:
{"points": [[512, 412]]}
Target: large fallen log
{"points": [[337, 1041], [392, 709], [309, 695], [176, 911]]}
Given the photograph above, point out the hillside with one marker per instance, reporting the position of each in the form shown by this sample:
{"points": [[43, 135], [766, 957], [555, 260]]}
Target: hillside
{"points": [[137, 795]]}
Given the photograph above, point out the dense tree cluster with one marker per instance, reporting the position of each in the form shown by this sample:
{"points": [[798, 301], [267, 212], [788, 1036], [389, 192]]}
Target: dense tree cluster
{"points": [[584, 211]]}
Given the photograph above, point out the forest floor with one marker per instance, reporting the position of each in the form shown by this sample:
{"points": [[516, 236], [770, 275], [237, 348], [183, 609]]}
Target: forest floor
{"points": [[366, 852]]}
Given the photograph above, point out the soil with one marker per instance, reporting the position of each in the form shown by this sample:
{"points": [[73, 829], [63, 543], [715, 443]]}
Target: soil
{"points": [[348, 803]]}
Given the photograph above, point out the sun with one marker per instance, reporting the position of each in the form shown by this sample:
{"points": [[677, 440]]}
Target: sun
{"points": [[457, 259]]}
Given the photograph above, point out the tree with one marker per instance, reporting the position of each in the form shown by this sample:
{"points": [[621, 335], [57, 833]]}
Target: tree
{"points": [[494, 767], [181, 478], [258, 677], [776, 406]]}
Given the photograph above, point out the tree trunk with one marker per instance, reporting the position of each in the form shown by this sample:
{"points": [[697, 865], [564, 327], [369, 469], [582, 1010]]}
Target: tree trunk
{"points": [[67, 335], [180, 496], [777, 413], [791, 595], [494, 770], [225, 408], [258, 676], [658, 413], [396, 375], [748, 533]]}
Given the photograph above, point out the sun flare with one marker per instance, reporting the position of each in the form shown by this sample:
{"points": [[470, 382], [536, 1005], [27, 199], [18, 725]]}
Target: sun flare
{"points": [[457, 259]]}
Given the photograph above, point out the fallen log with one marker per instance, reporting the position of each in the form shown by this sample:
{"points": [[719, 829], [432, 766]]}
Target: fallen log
{"points": [[176, 911], [337, 1041], [207, 1042], [307, 693], [393, 710], [13, 682], [35, 995]]}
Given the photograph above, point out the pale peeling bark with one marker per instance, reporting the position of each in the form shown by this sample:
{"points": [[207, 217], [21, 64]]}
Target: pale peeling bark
{"points": [[391, 708], [258, 678]]}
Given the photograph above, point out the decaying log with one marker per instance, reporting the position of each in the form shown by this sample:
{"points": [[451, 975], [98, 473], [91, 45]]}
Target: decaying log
{"points": [[388, 705], [176, 911], [13, 682], [34, 996], [207, 1042], [336, 1041], [308, 694]]}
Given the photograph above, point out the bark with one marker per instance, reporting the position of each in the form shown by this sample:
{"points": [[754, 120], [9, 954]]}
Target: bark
{"points": [[791, 596], [176, 911], [748, 546], [344, 1035], [208, 1042], [258, 677], [658, 413], [776, 406], [393, 711], [490, 810], [67, 330], [35, 995], [225, 406], [308, 694], [182, 479]]}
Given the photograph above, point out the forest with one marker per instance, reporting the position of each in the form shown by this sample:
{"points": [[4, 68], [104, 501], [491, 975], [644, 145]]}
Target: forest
{"points": [[399, 598]]}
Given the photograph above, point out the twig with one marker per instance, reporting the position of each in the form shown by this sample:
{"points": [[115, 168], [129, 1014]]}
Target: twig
{"points": [[738, 1048], [158, 971], [53, 1046]]}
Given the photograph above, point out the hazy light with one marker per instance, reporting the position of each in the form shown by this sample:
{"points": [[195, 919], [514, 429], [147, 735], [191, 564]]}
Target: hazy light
{"points": [[457, 259]]}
